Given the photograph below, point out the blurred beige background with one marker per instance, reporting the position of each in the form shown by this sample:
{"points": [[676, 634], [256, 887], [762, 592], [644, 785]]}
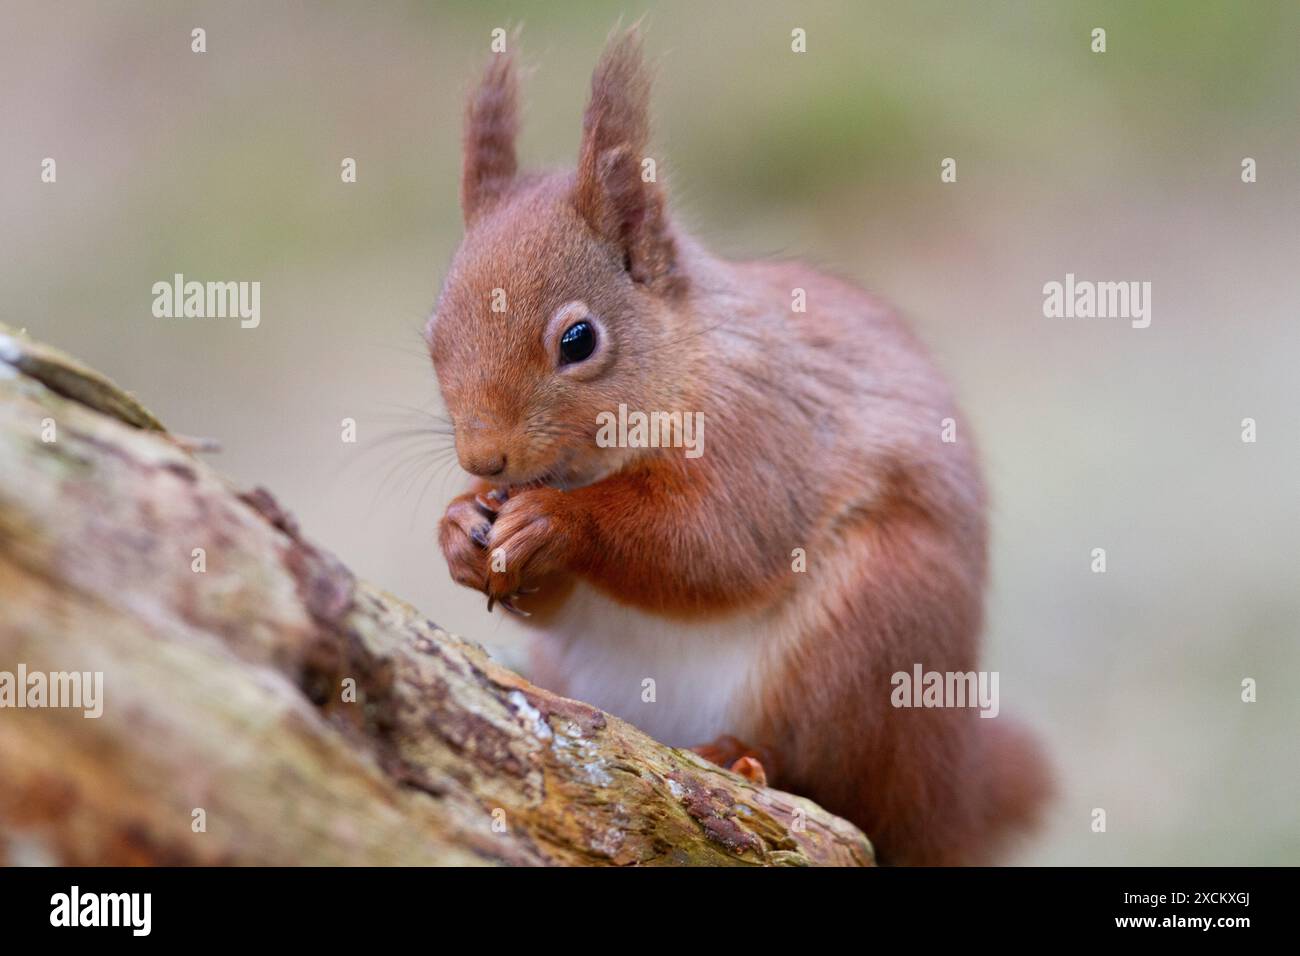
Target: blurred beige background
{"points": [[1119, 166]]}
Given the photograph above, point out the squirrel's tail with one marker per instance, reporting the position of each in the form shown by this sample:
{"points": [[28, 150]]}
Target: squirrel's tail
{"points": [[1017, 779], [973, 786]]}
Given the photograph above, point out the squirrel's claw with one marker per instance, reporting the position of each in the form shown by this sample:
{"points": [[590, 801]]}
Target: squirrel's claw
{"points": [[490, 502], [507, 603]]}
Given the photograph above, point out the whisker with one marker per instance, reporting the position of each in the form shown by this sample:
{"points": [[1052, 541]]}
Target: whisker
{"points": [[419, 459]]}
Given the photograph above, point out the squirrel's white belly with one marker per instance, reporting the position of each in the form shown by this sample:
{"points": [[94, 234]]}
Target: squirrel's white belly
{"points": [[706, 676]]}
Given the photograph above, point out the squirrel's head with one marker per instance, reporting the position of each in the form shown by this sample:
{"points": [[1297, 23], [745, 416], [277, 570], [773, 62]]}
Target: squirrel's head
{"points": [[559, 304]]}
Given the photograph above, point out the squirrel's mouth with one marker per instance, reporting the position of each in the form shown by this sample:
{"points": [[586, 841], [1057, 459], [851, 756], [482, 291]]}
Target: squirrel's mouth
{"points": [[558, 476], [562, 476], [566, 481]]}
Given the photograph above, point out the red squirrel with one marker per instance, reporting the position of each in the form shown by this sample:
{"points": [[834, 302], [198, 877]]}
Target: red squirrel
{"points": [[574, 293]]}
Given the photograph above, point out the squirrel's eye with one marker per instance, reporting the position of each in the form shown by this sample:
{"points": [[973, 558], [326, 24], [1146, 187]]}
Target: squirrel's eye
{"points": [[577, 342]]}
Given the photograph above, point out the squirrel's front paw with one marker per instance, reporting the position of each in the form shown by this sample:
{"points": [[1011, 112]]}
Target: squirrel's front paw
{"points": [[536, 533], [463, 536]]}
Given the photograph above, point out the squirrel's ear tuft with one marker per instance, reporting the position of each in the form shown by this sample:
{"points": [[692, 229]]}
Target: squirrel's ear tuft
{"points": [[491, 124], [614, 195]]}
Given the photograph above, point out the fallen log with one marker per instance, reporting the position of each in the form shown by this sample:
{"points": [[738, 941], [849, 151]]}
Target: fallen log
{"points": [[260, 705]]}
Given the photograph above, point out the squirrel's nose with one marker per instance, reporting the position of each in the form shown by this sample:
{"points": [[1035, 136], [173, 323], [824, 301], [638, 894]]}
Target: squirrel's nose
{"points": [[483, 464]]}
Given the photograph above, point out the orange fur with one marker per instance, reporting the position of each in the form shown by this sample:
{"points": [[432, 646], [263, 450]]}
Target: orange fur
{"points": [[822, 433]]}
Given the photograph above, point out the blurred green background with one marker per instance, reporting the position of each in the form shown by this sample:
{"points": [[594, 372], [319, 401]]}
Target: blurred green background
{"points": [[1115, 166]]}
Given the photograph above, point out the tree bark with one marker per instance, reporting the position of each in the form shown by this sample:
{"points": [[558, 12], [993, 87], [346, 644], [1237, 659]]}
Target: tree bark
{"points": [[260, 705]]}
